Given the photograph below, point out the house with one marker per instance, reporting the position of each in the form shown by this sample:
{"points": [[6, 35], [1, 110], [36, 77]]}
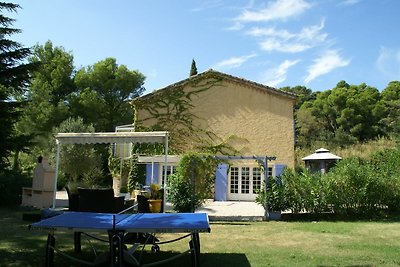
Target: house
{"points": [[225, 115]]}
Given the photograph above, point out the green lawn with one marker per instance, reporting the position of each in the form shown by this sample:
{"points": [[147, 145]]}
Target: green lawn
{"points": [[294, 243]]}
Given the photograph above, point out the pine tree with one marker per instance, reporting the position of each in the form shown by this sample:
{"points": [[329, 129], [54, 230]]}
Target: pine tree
{"points": [[14, 77], [193, 68]]}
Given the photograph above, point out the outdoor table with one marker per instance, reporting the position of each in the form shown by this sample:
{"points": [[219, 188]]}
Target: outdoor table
{"points": [[117, 225]]}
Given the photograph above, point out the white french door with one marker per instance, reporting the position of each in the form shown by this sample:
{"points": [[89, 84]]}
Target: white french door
{"points": [[244, 182]]}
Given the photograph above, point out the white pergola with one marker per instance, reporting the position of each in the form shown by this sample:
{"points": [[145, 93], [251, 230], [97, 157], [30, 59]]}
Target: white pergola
{"points": [[108, 138]]}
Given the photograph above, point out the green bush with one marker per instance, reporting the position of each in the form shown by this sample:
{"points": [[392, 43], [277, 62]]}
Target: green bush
{"points": [[366, 185], [193, 182], [305, 191], [355, 185], [180, 193], [272, 197], [11, 184]]}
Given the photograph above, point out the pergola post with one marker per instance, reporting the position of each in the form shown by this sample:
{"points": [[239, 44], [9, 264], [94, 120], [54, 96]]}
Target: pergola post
{"points": [[56, 174], [165, 169], [265, 163]]}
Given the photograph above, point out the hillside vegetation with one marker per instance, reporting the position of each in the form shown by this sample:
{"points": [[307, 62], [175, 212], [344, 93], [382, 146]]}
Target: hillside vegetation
{"points": [[365, 181], [362, 150]]}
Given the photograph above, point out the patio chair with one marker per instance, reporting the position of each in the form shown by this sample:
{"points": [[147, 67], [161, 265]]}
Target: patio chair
{"points": [[143, 205], [96, 200], [99, 200], [73, 200]]}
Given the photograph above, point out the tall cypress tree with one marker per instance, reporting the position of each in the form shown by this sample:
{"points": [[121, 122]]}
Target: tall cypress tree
{"points": [[14, 77], [193, 69]]}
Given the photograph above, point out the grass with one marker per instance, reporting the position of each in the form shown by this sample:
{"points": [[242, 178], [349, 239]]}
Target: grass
{"points": [[285, 243]]}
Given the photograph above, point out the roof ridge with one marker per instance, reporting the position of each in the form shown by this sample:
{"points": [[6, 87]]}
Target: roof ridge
{"points": [[229, 76]]}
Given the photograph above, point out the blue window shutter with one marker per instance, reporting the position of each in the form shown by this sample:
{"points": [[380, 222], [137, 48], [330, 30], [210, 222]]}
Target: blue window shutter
{"points": [[278, 169], [155, 175], [221, 182], [148, 173]]}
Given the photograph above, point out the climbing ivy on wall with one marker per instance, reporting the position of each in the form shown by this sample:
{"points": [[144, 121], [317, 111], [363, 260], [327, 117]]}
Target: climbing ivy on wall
{"points": [[170, 110]]}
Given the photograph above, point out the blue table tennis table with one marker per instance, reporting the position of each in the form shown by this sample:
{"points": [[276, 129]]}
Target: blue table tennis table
{"points": [[118, 225]]}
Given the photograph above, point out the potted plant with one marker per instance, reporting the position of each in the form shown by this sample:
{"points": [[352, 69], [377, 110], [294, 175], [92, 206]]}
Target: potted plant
{"points": [[272, 199], [155, 199]]}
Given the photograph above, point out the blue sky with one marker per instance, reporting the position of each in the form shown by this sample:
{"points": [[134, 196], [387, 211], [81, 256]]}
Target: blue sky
{"points": [[315, 43]]}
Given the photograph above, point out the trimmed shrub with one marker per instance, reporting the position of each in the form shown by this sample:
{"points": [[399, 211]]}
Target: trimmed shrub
{"points": [[274, 196], [355, 185], [305, 191]]}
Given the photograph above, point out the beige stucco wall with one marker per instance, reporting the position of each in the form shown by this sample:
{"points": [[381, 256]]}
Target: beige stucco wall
{"points": [[263, 119], [260, 121]]}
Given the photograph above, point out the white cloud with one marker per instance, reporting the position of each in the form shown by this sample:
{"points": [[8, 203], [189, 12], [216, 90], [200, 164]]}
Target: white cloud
{"points": [[324, 64], [233, 62], [236, 26], [313, 33], [272, 44], [277, 10], [349, 2], [285, 41], [388, 63], [275, 76], [270, 32], [209, 4]]}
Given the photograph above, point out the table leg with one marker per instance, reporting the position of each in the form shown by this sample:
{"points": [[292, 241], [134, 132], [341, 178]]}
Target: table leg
{"points": [[116, 247], [77, 242], [49, 261], [194, 245]]}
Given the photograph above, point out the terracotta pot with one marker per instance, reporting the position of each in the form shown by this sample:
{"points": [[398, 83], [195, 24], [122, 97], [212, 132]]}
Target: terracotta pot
{"points": [[155, 205]]}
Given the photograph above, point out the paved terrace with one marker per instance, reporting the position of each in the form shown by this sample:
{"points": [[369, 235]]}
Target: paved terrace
{"points": [[217, 210]]}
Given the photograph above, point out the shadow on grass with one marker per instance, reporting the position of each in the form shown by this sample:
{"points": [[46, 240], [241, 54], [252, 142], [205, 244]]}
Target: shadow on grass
{"points": [[206, 260], [19, 254]]}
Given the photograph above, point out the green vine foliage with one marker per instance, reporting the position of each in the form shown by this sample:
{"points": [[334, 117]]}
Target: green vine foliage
{"points": [[170, 110], [274, 197], [132, 182], [137, 173], [120, 172], [193, 182]]}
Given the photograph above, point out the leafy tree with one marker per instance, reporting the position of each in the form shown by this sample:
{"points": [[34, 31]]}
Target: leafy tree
{"points": [[51, 84], [14, 77], [105, 90], [345, 114], [193, 68], [306, 125], [79, 162], [303, 94], [390, 108], [46, 105]]}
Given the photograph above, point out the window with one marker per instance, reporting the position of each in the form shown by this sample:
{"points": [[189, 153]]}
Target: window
{"points": [[245, 188], [269, 171], [171, 169], [234, 188], [256, 179]]}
